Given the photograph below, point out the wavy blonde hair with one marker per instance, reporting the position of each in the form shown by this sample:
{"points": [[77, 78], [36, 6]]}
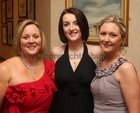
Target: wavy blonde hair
{"points": [[19, 32], [113, 19]]}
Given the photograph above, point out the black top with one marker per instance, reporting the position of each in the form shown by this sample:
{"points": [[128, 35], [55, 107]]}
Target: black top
{"points": [[74, 94]]}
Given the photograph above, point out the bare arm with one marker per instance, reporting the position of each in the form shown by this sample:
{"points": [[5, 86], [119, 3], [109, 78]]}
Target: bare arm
{"points": [[130, 87], [4, 79]]}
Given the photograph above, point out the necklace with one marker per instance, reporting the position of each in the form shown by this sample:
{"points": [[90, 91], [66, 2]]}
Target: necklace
{"points": [[29, 68]]}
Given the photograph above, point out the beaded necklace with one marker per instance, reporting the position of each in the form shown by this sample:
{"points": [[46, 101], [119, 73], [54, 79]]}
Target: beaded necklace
{"points": [[29, 68]]}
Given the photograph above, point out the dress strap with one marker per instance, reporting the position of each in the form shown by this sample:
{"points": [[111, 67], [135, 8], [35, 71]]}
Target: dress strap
{"points": [[85, 49], [66, 49], [109, 70]]}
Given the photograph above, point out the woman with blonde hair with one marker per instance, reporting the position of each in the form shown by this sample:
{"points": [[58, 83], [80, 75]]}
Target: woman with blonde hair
{"points": [[116, 87], [26, 80]]}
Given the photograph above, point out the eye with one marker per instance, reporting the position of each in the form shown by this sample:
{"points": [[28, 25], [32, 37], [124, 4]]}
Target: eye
{"points": [[113, 35], [76, 23], [103, 33], [36, 36], [25, 37], [65, 24]]}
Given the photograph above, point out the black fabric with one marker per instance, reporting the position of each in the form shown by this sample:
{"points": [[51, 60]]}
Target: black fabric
{"points": [[74, 94]]}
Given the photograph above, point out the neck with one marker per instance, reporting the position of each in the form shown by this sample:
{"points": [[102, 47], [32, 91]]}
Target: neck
{"points": [[109, 59], [29, 61], [29, 64], [75, 46], [110, 56]]}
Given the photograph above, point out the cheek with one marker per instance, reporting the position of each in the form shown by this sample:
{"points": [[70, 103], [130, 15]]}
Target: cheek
{"points": [[116, 44], [66, 30], [22, 42], [117, 41], [80, 36], [100, 39], [39, 41]]}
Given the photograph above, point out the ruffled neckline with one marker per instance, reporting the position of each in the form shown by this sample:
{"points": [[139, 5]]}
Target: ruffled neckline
{"points": [[17, 93], [110, 69]]}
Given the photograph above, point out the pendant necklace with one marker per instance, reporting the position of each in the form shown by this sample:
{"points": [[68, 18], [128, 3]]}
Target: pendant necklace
{"points": [[29, 68]]}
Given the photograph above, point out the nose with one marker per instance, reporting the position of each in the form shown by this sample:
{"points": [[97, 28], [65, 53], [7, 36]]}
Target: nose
{"points": [[106, 38], [71, 27], [31, 39]]}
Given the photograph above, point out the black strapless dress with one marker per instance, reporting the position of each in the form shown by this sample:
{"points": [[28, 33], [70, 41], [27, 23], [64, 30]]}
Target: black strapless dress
{"points": [[74, 94]]}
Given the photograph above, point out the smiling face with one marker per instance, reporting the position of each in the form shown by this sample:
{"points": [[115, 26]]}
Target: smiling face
{"points": [[30, 41], [110, 38], [71, 27]]}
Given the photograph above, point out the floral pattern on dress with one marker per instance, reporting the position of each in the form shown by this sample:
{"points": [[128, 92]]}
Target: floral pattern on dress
{"points": [[110, 69]]}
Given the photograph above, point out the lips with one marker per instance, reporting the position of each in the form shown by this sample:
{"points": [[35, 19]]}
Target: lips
{"points": [[106, 44], [73, 34], [31, 47]]}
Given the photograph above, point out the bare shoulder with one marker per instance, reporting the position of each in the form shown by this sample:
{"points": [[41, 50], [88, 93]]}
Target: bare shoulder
{"points": [[95, 52], [94, 48], [5, 65], [8, 64], [127, 71], [6, 68], [127, 66], [58, 49], [57, 52], [130, 86]]}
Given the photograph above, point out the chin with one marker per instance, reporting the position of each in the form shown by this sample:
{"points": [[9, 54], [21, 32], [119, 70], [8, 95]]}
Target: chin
{"points": [[106, 50], [33, 53]]}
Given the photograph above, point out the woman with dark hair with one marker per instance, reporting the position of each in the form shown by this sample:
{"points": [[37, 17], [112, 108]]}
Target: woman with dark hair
{"points": [[75, 64]]}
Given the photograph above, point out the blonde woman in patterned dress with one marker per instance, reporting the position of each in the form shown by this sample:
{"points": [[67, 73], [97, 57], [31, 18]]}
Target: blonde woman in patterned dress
{"points": [[116, 88]]}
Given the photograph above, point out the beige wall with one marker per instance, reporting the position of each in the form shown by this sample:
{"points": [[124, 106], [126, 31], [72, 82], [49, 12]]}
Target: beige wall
{"points": [[134, 34], [43, 17], [134, 29], [48, 12], [56, 8]]}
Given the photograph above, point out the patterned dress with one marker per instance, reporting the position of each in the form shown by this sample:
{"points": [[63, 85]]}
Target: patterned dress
{"points": [[106, 90]]}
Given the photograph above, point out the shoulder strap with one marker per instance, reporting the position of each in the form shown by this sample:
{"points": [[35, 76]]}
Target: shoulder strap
{"points": [[118, 63], [66, 49], [85, 48]]}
